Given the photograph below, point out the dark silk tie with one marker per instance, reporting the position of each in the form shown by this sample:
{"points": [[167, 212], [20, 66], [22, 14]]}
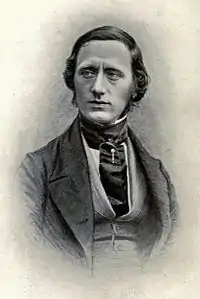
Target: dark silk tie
{"points": [[112, 167]]}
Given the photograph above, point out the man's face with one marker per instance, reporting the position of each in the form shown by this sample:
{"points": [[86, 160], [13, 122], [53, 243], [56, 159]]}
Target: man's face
{"points": [[103, 80]]}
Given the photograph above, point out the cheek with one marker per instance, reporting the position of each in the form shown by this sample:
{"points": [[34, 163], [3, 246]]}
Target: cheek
{"points": [[123, 92], [81, 87]]}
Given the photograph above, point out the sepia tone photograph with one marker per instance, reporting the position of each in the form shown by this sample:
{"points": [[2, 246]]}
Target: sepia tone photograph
{"points": [[100, 151]]}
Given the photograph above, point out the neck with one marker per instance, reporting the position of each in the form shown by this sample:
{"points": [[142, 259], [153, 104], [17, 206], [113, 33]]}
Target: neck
{"points": [[96, 133]]}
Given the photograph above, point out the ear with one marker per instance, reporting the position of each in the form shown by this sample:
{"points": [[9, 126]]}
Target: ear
{"points": [[133, 95], [74, 100]]}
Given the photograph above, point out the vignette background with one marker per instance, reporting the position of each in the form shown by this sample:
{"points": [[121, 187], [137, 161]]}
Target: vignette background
{"points": [[35, 107]]}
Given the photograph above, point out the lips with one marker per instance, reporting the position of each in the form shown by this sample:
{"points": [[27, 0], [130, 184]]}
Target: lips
{"points": [[98, 102]]}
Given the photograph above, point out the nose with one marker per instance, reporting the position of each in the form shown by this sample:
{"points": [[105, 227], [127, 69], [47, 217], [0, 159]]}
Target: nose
{"points": [[98, 88]]}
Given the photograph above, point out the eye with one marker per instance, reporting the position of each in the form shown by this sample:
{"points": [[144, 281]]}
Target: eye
{"points": [[88, 74], [113, 75]]}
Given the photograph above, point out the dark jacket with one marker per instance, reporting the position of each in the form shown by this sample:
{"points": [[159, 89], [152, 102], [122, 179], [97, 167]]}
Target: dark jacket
{"points": [[56, 184]]}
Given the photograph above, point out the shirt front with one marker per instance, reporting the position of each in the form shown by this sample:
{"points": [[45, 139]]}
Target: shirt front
{"points": [[114, 238], [135, 181]]}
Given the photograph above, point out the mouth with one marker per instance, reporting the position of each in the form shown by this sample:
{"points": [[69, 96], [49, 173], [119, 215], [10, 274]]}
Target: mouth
{"points": [[95, 102]]}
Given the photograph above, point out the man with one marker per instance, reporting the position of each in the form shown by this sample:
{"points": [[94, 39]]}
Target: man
{"points": [[95, 189]]}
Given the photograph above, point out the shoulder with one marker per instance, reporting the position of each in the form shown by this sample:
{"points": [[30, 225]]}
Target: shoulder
{"points": [[140, 149], [47, 154], [152, 163], [40, 163]]}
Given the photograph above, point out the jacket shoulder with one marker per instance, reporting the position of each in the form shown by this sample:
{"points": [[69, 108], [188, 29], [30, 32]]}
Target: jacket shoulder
{"points": [[45, 157], [46, 151], [37, 166]]}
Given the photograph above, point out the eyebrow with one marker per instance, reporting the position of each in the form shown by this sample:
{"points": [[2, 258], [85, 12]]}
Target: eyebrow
{"points": [[89, 67], [95, 66]]}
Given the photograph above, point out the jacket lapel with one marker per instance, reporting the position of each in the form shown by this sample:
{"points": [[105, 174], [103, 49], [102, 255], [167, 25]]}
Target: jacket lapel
{"points": [[70, 189], [158, 186]]}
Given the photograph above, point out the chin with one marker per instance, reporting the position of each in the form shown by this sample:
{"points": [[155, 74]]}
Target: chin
{"points": [[100, 117]]}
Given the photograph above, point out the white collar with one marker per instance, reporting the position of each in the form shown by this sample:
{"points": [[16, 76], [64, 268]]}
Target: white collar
{"points": [[120, 119]]}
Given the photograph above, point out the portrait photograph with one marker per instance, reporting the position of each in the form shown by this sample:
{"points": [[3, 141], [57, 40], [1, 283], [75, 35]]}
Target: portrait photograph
{"points": [[100, 152]]}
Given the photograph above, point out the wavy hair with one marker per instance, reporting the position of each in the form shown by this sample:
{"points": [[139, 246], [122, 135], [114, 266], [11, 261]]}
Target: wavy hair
{"points": [[142, 78]]}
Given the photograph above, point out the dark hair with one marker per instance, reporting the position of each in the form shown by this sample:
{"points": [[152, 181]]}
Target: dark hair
{"points": [[110, 33]]}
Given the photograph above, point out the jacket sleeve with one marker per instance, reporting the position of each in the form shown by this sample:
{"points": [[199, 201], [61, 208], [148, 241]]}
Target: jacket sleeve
{"points": [[173, 202], [31, 188]]}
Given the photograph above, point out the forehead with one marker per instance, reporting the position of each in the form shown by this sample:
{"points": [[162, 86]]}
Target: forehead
{"points": [[110, 52]]}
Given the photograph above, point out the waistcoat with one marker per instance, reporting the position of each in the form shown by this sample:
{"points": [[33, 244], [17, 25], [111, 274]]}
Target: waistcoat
{"points": [[121, 240]]}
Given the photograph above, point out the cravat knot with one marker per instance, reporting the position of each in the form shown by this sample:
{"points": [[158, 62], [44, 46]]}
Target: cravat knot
{"points": [[95, 134]]}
